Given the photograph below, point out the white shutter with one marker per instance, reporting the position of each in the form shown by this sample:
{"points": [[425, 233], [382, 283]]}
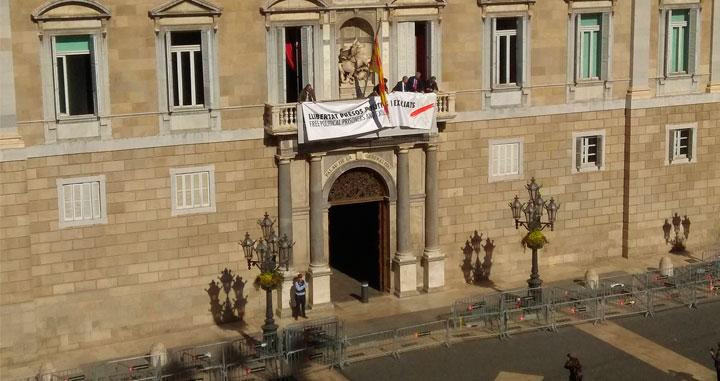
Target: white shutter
{"points": [[94, 73], [668, 34], [515, 147], [306, 42], [671, 146], [206, 49], [434, 50], [86, 201], [67, 202], [205, 189], [605, 40], [406, 49], [77, 201], [693, 19], [495, 47], [168, 71], [96, 199], [281, 75], [494, 157], [520, 51], [187, 191]]}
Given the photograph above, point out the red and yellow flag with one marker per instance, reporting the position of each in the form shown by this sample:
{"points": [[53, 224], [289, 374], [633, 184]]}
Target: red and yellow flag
{"points": [[376, 66]]}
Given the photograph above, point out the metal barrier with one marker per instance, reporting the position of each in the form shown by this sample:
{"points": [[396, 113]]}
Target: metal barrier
{"points": [[321, 342]]}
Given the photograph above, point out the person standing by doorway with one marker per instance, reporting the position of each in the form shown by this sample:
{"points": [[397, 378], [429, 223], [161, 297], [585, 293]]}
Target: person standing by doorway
{"points": [[573, 365], [299, 288]]}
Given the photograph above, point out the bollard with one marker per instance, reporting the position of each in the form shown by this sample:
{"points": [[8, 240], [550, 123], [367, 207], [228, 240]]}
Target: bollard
{"points": [[364, 292]]}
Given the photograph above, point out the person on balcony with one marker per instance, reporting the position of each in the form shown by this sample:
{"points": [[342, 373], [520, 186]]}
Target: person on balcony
{"points": [[402, 84], [307, 94], [415, 83], [431, 85]]}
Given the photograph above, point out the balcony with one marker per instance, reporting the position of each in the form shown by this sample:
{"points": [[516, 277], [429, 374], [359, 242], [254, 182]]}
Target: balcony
{"points": [[281, 119]]}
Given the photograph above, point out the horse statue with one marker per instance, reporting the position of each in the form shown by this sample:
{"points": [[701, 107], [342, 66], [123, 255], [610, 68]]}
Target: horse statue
{"points": [[353, 63]]}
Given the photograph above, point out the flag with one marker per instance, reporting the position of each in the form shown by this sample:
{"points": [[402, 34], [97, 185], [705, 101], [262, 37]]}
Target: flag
{"points": [[376, 66]]}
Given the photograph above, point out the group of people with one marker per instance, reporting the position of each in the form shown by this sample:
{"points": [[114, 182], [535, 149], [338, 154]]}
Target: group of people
{"points": [[416, 84]]}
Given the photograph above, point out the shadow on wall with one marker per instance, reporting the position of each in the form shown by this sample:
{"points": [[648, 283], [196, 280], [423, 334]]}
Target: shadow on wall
{"points": [[232, 309], [477, 272]]}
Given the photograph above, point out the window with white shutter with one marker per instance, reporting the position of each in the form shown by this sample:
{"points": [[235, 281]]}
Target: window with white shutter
{"points": [[588, 151], [193, 190], [681, 143], [81, 201], [505, 159]]}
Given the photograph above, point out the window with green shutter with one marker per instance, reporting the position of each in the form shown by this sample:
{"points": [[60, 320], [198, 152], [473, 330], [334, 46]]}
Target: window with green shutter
{"points": [[74, 75], [678, 40], [590, 45]]}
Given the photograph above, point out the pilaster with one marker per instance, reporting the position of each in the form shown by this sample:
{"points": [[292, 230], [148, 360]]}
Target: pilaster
{"points": [[9, 137], [405, 262], [640, 54], [433, 261], [714, 83]]}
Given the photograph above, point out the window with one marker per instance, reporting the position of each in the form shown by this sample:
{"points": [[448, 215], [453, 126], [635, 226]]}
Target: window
{"points": [[507, 51], [416, 49], [588, 151], [186, 69], [81, 201], [294, 61], [74, 75], [589, 36], [193, 190], [680, 41], [505, 159], [681, 142]]}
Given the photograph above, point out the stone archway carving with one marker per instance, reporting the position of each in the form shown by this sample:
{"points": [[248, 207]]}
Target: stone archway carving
{"points": [[384, 176], [358, 184]]}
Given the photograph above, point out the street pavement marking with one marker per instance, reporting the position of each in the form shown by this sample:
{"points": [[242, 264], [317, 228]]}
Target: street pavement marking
{"points": [[510, 376], [646, 350]]}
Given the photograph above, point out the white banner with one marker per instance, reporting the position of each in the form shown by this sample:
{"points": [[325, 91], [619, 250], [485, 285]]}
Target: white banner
{"points": [[331, 120]]}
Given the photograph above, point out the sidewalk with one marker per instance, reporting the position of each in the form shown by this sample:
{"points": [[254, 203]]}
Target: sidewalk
{"points": [[381, 313]]}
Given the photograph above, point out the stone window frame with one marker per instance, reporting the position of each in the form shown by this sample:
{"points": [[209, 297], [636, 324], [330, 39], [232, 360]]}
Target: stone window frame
{"points": [[212, 208], [102, 219], [520, 141], [670, 159], [87, 17], [434, 27], [681, 82], [198, 15], [503, 95], [579, 168]]}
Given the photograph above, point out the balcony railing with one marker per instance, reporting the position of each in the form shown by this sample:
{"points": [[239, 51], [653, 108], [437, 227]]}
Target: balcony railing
{"points": [[281, 119], [445, 106]]}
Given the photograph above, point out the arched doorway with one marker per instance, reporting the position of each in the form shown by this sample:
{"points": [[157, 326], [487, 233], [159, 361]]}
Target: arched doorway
{"points": [[359, 234]]}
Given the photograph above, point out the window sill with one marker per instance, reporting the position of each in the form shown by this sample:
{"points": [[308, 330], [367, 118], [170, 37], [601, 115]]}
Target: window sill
{"points": [[497, 179], [81, 223], [182, 212], [589, 168], [76, 119], [681, 160], [505, 88], [589, 82]]}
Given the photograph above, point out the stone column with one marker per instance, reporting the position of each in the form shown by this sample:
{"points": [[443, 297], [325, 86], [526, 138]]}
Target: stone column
{"points": [[9, 137], [433, 260], [285, 228], [404, 263], [640, 49], [714, 84], [319, 273]]}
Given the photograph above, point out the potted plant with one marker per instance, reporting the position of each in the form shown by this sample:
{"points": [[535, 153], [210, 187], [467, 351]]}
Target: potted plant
{"points": [[534, 240], [269, 280]]}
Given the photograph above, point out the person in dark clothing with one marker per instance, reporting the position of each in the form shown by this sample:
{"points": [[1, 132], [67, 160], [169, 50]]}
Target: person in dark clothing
{"points": [[715, 354], [415, 83], [573, 365], [431, 85], [401, 85], [299, 288], [376, 89], [307, 94]]}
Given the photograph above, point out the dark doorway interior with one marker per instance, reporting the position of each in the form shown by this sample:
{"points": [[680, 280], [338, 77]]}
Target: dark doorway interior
{"points": [[421, 50], [293, 64], [354, 231]]}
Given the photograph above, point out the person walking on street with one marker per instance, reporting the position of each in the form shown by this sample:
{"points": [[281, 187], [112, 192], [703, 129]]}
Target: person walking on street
{"points": [[573, 365], [299, 288], [715, 354]]}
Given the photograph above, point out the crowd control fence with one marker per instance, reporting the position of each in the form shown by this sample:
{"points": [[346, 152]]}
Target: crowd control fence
{"points": [[322, 343]]}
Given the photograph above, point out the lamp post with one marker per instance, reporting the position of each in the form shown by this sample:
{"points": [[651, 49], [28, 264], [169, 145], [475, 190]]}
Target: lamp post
{"points": [[533, 213], [267, 254], [681, 227]]}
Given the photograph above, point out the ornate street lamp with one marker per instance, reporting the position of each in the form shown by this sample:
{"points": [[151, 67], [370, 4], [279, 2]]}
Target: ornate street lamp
{"points": [[681, 227], [533, 213], [268, 254]]}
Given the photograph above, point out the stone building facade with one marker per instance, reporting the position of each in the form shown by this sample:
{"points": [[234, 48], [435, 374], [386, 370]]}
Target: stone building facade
{"points": [[613, 106]]}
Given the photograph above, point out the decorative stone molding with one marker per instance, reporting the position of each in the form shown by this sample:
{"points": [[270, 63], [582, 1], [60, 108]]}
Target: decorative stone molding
{"points": [[576, 5], [185, 12], [496, 6], [62, 10]]}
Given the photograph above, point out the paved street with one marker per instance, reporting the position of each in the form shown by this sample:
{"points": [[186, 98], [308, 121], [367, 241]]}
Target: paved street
{"points": [[673, 345]]}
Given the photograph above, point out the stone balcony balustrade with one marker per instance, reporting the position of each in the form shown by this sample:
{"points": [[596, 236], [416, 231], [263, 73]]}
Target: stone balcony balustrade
{"points": [[281, 119]]}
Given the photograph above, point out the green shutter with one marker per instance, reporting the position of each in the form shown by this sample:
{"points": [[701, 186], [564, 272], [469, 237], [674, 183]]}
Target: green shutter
{"points": [[73, 44], [605, 47], [691, 46], [519, 51]]}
